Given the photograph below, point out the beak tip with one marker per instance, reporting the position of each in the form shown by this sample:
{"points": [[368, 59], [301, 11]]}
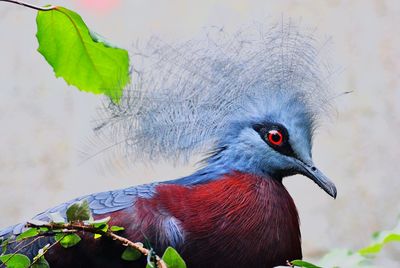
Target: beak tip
{"points": [[332, 191], [310, 171]]}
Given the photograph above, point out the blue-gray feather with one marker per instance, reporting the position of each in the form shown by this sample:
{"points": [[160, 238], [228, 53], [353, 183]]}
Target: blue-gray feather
{"points": [[184, 97], [99, 203]]}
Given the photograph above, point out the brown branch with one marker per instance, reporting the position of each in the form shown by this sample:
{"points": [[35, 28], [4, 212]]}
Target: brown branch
{"points": [[79, 226], [29, 5]]}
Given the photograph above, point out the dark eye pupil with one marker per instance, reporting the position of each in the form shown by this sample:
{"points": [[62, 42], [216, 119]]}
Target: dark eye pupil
{"points": [[275, 137]]}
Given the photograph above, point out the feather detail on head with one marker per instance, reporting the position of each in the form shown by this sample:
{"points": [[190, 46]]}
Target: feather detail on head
{"points": [[184, 96]]}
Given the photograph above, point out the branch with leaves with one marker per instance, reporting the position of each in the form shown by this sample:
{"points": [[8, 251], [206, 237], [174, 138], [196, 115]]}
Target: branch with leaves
{"points": [[66, 233]]}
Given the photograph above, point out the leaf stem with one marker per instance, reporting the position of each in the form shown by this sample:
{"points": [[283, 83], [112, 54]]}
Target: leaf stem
{"points": [[36, 259], [49, 8]]}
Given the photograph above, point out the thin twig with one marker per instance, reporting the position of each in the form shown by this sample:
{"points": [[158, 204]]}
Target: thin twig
{"points": [[37, 257], [29, 5], [78, 226], [14, 253], [41, 234]]}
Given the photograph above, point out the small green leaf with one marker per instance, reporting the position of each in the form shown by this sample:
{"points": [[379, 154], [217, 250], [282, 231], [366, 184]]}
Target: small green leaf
{"points": [[31, 232], [43, 229], [173, 259], [379, 239], [105, 228], [131, 254], [376, 247], [41, 263], [152, 265], [97, 236], [4, 245], [305, 264], [344, 258], [116, 228], [15, 261], [79, 211], [99, 225], [68, 240], [79, 55], [99, 222]]}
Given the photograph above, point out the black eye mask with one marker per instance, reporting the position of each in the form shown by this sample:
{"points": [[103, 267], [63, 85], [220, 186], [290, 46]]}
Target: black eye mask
{"points": [[276, 136]]}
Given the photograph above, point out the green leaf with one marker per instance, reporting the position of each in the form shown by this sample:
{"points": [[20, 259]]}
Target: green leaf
{"points": [[103, 227], [43, 229], [68, 240], [131, 254], [97, 236], [41, 263], [31, 232], [15, 261], [79, 211], [173, 259], [305, 264], [152, 265], [80, 56], [99, 222], [99, 225], [379, 239], [377, 246], [344, 258], [116, 228], [4, 245]]}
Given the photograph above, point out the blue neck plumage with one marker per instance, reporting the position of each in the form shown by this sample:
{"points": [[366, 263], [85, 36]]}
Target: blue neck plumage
{"points": [[220, 163]]}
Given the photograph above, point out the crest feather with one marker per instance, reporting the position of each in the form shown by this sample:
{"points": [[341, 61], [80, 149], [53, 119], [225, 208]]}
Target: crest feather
{"points": [[184, 95]]}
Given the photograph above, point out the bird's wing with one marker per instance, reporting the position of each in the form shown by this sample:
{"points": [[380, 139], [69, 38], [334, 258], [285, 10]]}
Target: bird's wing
{"points": [[99, 203]]}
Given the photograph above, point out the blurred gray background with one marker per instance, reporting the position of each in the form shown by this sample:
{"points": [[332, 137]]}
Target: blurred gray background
{"points": [[44, 124]]}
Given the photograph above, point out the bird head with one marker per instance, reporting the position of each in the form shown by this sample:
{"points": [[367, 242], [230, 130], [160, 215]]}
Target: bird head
{"points": [[275, 141]]}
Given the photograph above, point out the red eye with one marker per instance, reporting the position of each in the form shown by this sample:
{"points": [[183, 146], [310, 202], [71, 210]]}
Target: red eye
{"points": [[275, 137]]}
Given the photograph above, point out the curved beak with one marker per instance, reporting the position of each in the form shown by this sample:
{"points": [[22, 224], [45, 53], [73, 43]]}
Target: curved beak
{"points": [[310, 171]]}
